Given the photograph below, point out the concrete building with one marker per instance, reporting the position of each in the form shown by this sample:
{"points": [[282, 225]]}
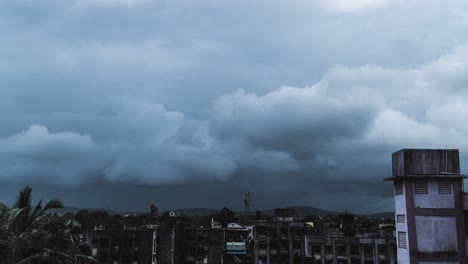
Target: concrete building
{"points": [[280, 241], [288, 239], [123, 246], [429, 206], [333, 247], [197, 245], [138, 241], [214, 245], [238, 244]]}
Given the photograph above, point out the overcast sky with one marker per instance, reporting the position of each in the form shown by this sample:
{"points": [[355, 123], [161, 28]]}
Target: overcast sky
{"points": [[120, 103]]}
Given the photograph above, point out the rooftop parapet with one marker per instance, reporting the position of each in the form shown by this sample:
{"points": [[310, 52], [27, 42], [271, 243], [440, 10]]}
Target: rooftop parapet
{"points": [[425, 162]]}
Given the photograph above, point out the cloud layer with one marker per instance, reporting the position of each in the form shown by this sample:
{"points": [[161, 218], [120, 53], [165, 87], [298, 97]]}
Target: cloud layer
{"points": [[304, 100]]}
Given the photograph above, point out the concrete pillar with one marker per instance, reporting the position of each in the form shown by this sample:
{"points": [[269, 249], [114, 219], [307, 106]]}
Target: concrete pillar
{"points": [[322, 252], [302, 250], [334, 251], [255, 250], [290, 245], [361, 253], [348, 252], [376, 252], [390, 253], [268, 250]]}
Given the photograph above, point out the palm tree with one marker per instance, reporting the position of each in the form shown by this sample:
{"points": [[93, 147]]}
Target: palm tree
{"points": [[29, 234], [7, 219], [28, 216]]}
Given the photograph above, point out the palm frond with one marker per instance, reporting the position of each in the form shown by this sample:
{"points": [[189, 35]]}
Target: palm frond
{"points": [[53, 204], [85, 259], [36, 212], [24, 198], [30, 235], [49, 256]]}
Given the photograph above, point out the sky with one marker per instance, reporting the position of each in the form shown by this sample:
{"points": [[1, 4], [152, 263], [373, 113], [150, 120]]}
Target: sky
{"points": [[117, 104]]}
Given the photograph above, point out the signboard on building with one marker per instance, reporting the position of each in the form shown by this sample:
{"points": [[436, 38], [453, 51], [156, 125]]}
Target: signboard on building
{"points": [[235, 248]]}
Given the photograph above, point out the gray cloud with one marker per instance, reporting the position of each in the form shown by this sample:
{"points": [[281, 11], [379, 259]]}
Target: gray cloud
{"points": [[141, 143], [293, 118], [38, 155], [305, 101]]}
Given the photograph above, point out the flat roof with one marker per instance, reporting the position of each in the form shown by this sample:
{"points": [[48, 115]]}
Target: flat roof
{"points": [[394, 178]]}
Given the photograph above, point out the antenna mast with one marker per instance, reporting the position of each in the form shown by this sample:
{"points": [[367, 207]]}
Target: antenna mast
{"points": [[446, 151], [247, 201]]}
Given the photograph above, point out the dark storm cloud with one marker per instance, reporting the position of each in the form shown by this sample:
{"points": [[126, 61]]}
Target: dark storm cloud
{"points": [[146, 144], [292, 118], [37, 154], [185, 102]]}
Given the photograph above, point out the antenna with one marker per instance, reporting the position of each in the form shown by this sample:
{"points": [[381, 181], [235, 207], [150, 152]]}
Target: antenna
{"points": [[446, 160], [247, 201]]}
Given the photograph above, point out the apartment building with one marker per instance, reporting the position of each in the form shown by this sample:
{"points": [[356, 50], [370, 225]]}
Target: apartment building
{"points": [[334, 248], [280, 241], [123, 246]]}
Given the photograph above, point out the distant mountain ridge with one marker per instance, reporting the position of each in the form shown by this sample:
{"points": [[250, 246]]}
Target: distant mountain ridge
{"points": [[299, 210], [305, 210], [383, 215], [195, 211], [74, 210]]}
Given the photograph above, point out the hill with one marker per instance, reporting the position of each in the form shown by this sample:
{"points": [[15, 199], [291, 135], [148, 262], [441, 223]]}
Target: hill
{"points": [[304, 210], [300, 211], [383, 215], [74, 210], [196, 211]]}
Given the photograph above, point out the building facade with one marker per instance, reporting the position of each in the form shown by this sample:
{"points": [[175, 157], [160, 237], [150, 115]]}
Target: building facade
{"points": [[333, 248], [280, 241], [429, 206], [123, 246]]}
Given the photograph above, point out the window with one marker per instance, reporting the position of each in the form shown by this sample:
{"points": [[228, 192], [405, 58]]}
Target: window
{"points": [[355, 250], [368, 251], [127, 257], [94, 242], [102, 257], [341, 250], [382, 248], [444, 186], [420, 187], [400, 219], [103, 242], [316, 249], [398, 187], [402, 239]]}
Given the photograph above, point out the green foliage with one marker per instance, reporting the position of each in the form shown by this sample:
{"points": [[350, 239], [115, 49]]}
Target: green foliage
{"points": [[202, 220], [330, 221], [153, 211], [85, 218], [226, 216], [28, 234], [312, 218], [89, 220], [368, 222]]}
